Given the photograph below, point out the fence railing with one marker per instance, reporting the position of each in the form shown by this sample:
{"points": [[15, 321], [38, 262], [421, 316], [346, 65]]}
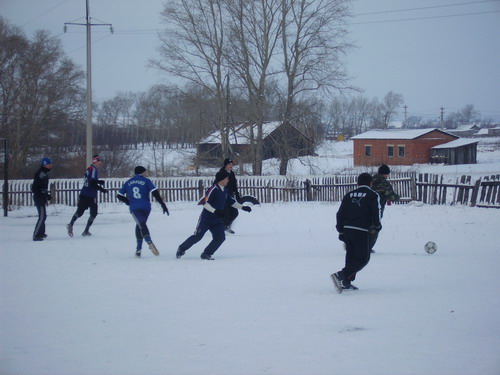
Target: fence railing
{"points": [[427, 188], [483, 192]]}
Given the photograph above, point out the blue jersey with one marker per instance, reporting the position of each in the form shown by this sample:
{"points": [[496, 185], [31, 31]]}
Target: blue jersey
{"points": [[91, 174], [138, 190]]}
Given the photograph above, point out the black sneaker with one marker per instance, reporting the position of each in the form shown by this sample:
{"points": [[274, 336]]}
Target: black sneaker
{"points": [[349, 287], [45, 236], [206, 256], [138, 253], [229, 230], [180, 252], [69, 227], [86, 234], [38, 238]]}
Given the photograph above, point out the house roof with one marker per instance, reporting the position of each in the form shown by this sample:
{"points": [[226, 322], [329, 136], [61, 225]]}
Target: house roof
{"points": [[240, 133], [397, 134], [466, 127], [456, 143]]}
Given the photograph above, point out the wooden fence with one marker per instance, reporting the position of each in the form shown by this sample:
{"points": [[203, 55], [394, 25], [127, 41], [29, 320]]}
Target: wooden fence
{"points": [[427, 188], [483, 192]]}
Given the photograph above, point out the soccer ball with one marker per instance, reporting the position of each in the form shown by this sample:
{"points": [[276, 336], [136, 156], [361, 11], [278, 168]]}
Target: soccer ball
{"points": [[430, 247]]}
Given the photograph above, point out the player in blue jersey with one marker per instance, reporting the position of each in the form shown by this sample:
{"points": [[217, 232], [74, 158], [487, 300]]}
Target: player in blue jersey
{"points": [[88, 196], [136, 193], [212, 217]]}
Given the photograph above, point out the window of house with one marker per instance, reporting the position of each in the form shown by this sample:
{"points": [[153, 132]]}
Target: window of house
{"points": [[390, 151], [401, 151], [368, 150]]}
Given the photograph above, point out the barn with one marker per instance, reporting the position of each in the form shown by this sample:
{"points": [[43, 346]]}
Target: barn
{"points": [[275, 134], [398, 147], [459, 151]]}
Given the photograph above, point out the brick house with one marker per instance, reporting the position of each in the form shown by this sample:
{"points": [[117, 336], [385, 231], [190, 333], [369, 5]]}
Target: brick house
{"points": [[398, 147]]}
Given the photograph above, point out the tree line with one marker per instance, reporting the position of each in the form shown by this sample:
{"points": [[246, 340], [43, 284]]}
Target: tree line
{"points": [[238, 61]]}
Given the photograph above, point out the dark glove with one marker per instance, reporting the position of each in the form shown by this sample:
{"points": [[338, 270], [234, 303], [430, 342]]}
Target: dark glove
{"points": [[49, 197], [165, 209], [123, 199], [100, 182], [375, 230], [247, 209], [219, 213], [341, 237]]}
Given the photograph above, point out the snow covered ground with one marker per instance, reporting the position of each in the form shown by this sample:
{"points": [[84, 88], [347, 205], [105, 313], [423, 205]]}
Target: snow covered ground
{"points": [[266, 305]]}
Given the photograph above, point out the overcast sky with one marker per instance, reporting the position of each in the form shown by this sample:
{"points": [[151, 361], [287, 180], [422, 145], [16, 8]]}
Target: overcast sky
{"points": [[436, 53]]}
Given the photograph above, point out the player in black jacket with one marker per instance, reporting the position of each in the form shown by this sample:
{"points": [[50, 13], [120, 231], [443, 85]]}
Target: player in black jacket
{"points": [[230, 213], [358, 212], [41, 195]]}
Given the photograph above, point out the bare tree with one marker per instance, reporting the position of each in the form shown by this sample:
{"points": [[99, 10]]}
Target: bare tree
{"points": [[255, 32], [389, 107], [192, 48], [40, 92]]}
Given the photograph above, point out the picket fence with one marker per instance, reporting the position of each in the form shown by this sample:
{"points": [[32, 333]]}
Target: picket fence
{"points": [[427, 188], [483, 192]]}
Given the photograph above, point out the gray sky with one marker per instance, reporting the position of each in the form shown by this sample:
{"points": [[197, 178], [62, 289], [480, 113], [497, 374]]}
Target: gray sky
{"points": [[436, 53]]}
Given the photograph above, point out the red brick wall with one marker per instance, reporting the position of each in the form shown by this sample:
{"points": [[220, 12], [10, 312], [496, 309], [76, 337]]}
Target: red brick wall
{"points": [[417, 151]]}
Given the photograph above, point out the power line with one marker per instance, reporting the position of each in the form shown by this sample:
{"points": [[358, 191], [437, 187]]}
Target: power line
{"points": [[44, 13], [423, 8], [426, 18]]}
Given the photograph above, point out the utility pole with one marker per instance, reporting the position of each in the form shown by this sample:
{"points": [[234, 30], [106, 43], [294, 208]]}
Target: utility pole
{"points": [[442, 117], [5, 202], [88, 24], [406, 115]]}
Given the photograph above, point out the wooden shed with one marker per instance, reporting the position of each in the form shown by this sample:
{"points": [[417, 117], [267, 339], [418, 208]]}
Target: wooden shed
{"points": [[459, 151], [275, 134], [398, 147]]}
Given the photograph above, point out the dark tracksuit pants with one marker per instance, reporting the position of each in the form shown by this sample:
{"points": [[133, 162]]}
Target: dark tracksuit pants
{"points": [[230, 214], [207, 222], [141, 218], [41, 207], [357, 252]]}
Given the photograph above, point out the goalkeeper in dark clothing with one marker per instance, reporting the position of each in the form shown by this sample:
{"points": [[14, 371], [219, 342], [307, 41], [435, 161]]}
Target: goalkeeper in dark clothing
{"points": [[358, 212], [386, 193], [230, 213], [88, 196], [211, 217], [41, 195]]}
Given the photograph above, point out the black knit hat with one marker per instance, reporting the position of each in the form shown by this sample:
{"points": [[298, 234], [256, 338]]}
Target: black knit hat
{"points": [[139, 169], [384, 169], [227, 161], [221, 175], [364, 179]]}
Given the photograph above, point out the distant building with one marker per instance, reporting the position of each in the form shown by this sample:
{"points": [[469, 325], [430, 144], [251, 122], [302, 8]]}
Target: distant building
{"points": [[275, 135], [464, 131], [459, 151], [494, 132], [398, 147]]}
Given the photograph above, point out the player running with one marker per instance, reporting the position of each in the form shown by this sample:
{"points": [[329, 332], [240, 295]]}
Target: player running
{"points": [[136, 193]]}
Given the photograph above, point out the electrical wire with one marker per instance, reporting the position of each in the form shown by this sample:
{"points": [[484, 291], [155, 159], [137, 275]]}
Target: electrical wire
{"points": [[425, 18], [428, 7]]}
